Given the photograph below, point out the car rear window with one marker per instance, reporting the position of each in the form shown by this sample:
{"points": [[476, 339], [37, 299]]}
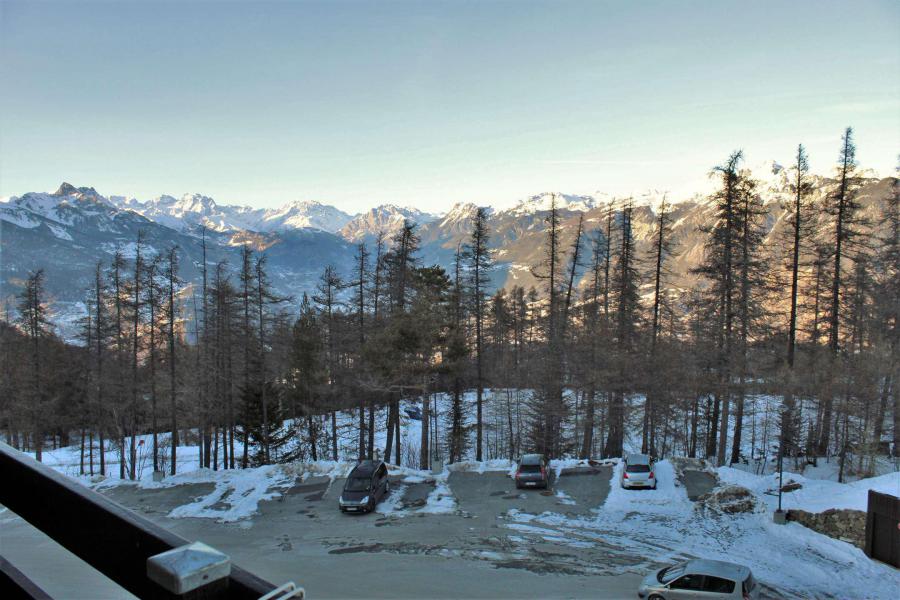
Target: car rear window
{"points": [[670, 573], [749, 584], [530, 469], [357, 484], [637, 468]]}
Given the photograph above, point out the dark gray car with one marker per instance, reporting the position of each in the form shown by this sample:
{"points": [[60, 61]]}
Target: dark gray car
{"points": [[533, 472], [365, 487]]}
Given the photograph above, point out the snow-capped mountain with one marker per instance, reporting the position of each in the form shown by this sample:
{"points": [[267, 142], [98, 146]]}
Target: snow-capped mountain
{"points": [[542, 203], [193, 210], [302, 214], [386, 218], [68, 232]]}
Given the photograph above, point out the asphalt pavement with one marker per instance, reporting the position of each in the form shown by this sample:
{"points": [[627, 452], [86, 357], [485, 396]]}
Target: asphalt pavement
{"points": [[474, 552]]}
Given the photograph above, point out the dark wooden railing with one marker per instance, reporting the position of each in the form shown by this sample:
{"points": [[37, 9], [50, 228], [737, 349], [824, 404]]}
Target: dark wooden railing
{"points": [[106, 535]]}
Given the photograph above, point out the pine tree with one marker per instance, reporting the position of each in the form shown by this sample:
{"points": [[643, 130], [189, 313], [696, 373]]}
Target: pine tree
{"points": [[136, 306], [548, 409], [100, 339], [749, 265], [360, 285], [33, 321], [247, 283], [171, 315], [154, 294], [661, 253], [479, 264], [595, 330], [625, 283], [118, 293], [887, 308], [308, 371], [843, 207], [457, 356], [799, 220], [326, 299], [718, 267], [264, 297]]}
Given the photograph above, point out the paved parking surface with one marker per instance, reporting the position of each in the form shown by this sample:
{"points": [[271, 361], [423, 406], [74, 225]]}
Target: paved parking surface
{"points": [[473, 552], [698, 483]]}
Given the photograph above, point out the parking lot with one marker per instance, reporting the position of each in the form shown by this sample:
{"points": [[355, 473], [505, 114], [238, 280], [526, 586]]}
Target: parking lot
{"points": [[474, 551]]}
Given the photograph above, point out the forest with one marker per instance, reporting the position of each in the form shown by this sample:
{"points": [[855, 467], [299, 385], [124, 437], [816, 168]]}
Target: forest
{"points": [[605, 344]]}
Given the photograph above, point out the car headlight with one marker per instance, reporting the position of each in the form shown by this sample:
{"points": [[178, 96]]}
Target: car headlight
{"points": [[364, 500]]}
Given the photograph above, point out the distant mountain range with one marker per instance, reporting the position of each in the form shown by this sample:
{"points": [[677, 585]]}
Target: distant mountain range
{"points": [[68, 231]]}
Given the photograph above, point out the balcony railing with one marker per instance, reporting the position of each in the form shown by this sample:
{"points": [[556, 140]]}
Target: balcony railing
{"points": [[107, 536]]}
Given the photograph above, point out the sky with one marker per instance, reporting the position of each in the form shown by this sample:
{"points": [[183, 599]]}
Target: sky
{"points": [[426, 104]]}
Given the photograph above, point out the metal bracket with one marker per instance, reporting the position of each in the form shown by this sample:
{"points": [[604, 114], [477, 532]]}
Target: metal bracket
{"points": [[285, 591]]}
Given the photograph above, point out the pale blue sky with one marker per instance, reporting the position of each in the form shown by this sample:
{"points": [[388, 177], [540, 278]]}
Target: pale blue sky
{"points": [[429, 103]]}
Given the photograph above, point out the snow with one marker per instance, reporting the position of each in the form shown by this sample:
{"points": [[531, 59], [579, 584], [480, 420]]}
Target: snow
{"points": [[669, 498], [60, 232], [441, 499], [647, 527], [492, 465], [390, 506], [19, 217], [663, 526], [129, 249], [237, 493], [298, 215], [191, 210], [564, 498], [816, 495], [542, 203]]}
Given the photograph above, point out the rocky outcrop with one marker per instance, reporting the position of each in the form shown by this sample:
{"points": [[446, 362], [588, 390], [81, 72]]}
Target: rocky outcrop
{"points": [[842, 524]]}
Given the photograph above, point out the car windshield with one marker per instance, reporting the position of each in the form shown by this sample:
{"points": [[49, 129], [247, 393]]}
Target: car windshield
{"points": [[638, 468], [357, 484], [670, 573], [530, 468], [749, 584]]}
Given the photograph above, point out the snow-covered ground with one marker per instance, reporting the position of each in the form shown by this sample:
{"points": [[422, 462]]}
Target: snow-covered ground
{"points": [[651, 527], [814, 495], [664, 526]]}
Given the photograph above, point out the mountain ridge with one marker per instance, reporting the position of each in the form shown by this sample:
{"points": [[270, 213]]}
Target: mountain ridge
{"points": [[67, 232]]}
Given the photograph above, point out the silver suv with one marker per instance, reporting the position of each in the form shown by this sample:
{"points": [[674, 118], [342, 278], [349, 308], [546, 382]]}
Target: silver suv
{"points": [[698, 578]]}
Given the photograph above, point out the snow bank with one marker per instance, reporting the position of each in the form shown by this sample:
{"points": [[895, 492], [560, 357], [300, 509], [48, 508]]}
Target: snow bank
{"points": [[390, 506], [815, 495], [441, 500], [237, 493], [485, 466]]}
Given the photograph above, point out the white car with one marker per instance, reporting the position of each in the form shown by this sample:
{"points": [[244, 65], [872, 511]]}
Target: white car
{"points": [[638, 472], [697, 579]]}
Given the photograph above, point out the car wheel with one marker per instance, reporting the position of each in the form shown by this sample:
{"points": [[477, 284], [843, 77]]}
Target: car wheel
{"points": [[656, 597]]}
